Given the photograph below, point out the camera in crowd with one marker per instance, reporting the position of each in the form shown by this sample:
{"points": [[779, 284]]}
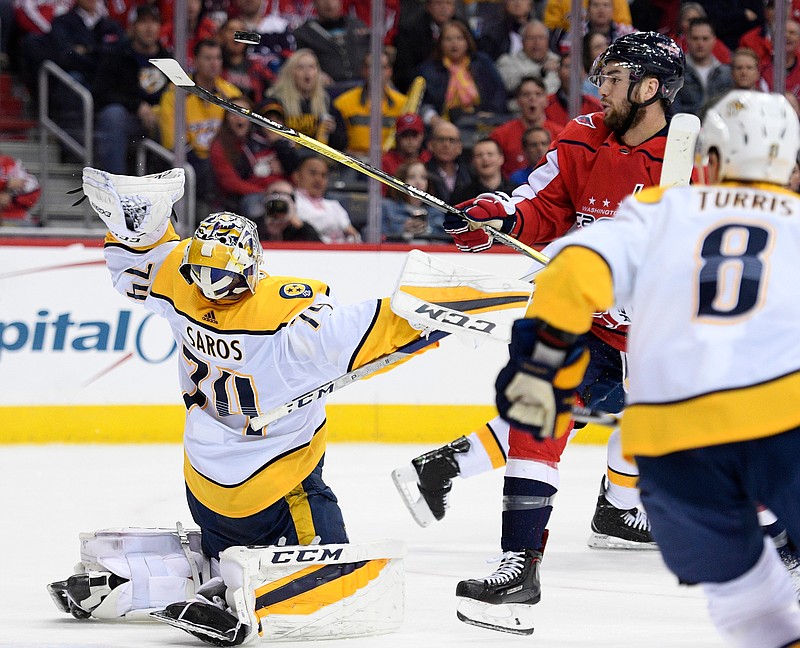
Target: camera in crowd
{"points": [[278, 204]]}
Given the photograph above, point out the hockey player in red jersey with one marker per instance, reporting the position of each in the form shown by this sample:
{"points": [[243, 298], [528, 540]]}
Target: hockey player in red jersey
{"points": [[713, 359], [597, 160]]}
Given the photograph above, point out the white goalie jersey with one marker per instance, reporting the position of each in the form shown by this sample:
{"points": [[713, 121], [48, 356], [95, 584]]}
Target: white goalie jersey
{"points": [[710, 273], [237, 361]]}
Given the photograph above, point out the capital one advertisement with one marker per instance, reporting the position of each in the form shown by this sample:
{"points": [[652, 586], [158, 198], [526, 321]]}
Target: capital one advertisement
{"points": [[68, 338]]}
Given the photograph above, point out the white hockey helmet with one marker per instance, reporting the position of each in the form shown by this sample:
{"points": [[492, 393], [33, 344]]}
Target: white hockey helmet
{"points": [[755, 134], [223, 257]]}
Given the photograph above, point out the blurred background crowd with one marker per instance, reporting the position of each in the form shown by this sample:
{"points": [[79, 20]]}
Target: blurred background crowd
{"points": [[474, 92]]}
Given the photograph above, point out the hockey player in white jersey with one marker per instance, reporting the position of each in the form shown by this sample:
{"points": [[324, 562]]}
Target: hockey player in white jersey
{"points": [[712, 420], [246, 342]]}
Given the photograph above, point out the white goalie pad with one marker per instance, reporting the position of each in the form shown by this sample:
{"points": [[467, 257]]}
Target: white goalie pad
{"points": [[435, 294], [160, 566], [316, 591], [136, 210]]}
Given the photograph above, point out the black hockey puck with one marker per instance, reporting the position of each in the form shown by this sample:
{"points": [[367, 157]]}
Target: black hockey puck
{"points": [[250, 38]]}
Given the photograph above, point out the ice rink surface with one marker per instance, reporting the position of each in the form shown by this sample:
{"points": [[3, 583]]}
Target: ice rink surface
{"points": [[590, 598]]}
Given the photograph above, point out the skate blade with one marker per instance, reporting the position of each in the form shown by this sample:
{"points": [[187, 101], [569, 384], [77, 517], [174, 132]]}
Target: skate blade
{"points": [[415, 503], [602, 541], [514, 618]]}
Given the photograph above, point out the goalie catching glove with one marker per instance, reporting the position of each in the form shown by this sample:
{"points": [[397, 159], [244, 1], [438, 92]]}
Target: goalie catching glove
{"points": [[496, 209], [536, 389], [136, 210]]}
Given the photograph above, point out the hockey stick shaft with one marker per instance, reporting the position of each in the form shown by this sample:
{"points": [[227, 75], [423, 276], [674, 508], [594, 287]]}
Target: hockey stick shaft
{"points": [[326, 389], [172, 69]]}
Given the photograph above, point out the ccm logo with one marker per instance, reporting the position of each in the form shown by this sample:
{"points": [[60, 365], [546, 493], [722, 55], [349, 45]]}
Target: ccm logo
{"points": [[312, 554], [455, 318]]}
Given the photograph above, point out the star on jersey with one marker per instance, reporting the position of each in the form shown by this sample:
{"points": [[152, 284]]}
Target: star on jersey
{"points": [[295, 290], [591, 200], [606, 202]]}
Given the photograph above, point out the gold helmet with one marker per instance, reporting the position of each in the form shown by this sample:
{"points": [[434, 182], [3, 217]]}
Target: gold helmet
{"points": [[223, 257]]}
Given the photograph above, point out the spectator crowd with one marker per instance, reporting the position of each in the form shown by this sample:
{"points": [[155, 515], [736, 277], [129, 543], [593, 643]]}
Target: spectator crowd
{"points": [[473, 91]]}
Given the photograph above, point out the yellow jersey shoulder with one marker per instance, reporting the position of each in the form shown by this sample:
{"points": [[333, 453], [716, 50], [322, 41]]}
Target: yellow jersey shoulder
{"points": [[276, 302], [651, 195]]}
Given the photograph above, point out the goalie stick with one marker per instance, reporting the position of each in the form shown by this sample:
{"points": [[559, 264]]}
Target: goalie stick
{"points": [[499, 295], [679, 151], [172, 69]]}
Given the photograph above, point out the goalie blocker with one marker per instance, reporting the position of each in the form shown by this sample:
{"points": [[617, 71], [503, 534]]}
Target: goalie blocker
{"points": [[281, 592]]}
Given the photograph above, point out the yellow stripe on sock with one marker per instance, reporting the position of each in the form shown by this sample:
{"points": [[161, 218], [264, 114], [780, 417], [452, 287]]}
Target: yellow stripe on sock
{"points": [[489, 443], [622, 479]]}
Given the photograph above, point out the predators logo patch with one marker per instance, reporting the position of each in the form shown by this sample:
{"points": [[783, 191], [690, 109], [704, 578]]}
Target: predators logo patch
{"points": [[295, 291]]}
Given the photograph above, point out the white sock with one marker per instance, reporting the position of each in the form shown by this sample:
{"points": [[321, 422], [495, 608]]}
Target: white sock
{"points": [[759, 607], [621, 476]]}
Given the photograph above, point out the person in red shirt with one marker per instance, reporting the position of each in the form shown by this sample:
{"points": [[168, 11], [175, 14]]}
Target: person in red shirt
{"points": [[792, 64], [531, 98], [597, 161], [19, 192], [243, 167], [409, 134], [557, 109], [198, 27], [689, 11], [759, 39]]}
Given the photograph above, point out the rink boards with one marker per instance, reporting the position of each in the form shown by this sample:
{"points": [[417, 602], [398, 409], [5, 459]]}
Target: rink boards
{"points": [[80, 363]]}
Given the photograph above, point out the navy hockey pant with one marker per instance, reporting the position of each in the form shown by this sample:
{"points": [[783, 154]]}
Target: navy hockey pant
{"points": [[308, 510], [701, 503]]}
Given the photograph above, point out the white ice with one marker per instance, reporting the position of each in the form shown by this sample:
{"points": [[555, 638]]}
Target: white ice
{"points": [[590, 597]]}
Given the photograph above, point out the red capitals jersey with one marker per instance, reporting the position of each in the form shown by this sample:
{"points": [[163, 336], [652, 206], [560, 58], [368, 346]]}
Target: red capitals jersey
{"points": [[583, 178]]}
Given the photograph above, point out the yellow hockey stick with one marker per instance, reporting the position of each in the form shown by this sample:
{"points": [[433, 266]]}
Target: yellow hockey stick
{"points": [[413, 101]]}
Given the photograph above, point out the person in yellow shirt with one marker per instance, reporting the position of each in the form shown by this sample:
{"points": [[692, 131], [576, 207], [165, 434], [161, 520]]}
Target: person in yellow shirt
{"points": [[203, 119], [353, 107], [556, 13]]}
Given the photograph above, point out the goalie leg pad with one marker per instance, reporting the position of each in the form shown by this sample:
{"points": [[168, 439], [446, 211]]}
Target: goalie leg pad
{"points": [[143, 569], [316, 591]]}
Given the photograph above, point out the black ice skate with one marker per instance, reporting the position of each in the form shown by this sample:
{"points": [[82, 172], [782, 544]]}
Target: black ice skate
{"points": [[614, 528], [208, 622], [82, 593], [790, 557], [503, 601], [433, 473]]}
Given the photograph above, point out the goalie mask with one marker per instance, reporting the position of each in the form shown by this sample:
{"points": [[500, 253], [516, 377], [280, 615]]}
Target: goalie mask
{"points": [[223, 257]]}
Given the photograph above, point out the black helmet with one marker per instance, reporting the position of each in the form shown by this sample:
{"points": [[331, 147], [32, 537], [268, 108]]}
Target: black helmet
{"points": [[647, 54]]}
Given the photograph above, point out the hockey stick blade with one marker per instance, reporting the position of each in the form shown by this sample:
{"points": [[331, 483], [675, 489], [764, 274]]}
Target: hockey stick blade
{"points": [[172, 69], [679, 152]]}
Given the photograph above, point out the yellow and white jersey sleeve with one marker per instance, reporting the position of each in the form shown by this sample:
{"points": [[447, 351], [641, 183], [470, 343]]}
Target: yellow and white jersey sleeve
{"points": [[239, 360], [134, 269], [710, 273]]}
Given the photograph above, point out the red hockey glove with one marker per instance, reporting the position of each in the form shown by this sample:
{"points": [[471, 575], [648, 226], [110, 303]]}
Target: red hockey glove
{"points": [[536, 390], [466, 240], [496, 209]]}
